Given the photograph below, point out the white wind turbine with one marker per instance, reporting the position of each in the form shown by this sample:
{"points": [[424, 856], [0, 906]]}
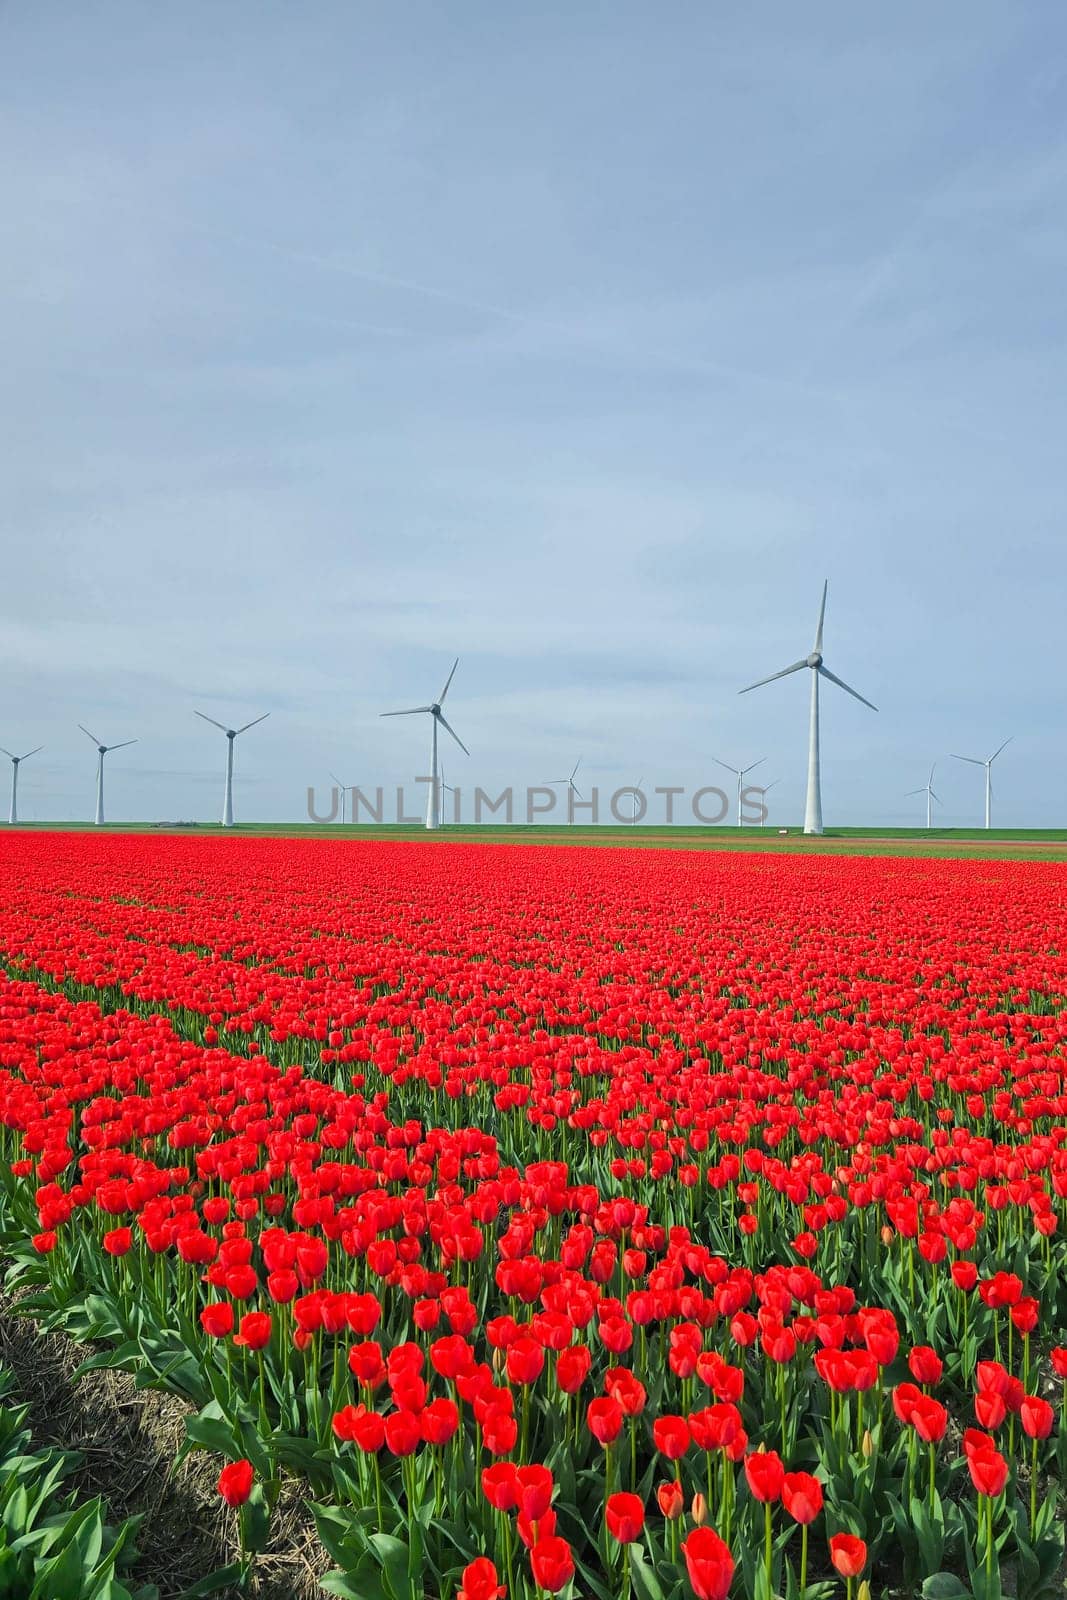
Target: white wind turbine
{"points": [[928, 790], [739, 773], [436, 715], [975, 762], [813, 661], [764, 808], [446, 788], [231, 735], [101, 751], [15, 762], [344, 793], [571, 787], [636, 790]]}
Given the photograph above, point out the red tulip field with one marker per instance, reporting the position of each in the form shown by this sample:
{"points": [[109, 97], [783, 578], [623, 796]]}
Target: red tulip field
{"points": [[582, 1222]]}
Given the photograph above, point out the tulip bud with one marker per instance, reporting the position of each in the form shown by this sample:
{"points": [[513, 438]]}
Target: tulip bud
{"points": [[499, 1361], [867, 1446], [887, 1236], [699, 1510], [864, 1591]]}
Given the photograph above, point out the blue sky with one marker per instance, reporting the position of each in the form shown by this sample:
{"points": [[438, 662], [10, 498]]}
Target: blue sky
{"points": [[582, 342]]}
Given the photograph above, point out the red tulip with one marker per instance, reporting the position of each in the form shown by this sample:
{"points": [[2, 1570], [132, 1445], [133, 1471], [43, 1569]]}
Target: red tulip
{"points": [[848, 1554], [989, 1472], [671, 1437], [764, 1473], [625, 1517], [801, 1496], [708, 1563], [552, 1564], [235, 1482], [1037, 1417], [480, 1581]]}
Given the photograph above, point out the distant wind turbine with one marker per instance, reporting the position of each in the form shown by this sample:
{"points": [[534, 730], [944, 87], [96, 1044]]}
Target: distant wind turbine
{"points": [[814, 661], [341, 786], [928, 790], [975, 762], [739, 773], [446, 788], [637, 790], [436, 715], [15, 762], [571, 787], [101, 751], [231, 735], [765, 791]]}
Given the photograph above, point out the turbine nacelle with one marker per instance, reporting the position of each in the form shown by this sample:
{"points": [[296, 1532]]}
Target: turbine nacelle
{"points": [[814, 660]]}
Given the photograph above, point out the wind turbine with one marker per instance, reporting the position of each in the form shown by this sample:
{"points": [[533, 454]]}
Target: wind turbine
{"points": [[764, 808], [231, 735], [101, 752], [571, 787], [436, 715], [928, 790], [446, 788], [974, 761], [814, 661], [739, 773], [637, 790], [15, 760], [341, 786]]}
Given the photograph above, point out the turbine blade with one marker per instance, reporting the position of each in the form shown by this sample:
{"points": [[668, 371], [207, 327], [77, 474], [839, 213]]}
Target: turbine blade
{"points": [[577, 791], [412, 711], [577, 764], [933, 769], [972, 759], [753, 766], [909, 792], [254, 723], [937, 797], [783, 674], [337, 780], [1004, 746], [204, 718], [30, 753], [726, 764], [822, 614], [121, 746], [448, 680], [841, 684], [8, 754], [87, 734], [452, 731]]}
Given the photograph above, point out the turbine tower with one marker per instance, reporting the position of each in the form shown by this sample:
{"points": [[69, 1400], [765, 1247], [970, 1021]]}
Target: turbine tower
{"points": [[101, 752], [637, 790], [341, 786], [15, 761], [231, 735], [571, 787], [814, 661], [975, 762], [739, 773], [436, 715], [928, 790]]}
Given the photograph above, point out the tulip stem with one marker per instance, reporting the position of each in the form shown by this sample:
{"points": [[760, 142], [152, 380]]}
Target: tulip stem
{"points": [[1033, 1487], [768, 1543], [803, 1558]]}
